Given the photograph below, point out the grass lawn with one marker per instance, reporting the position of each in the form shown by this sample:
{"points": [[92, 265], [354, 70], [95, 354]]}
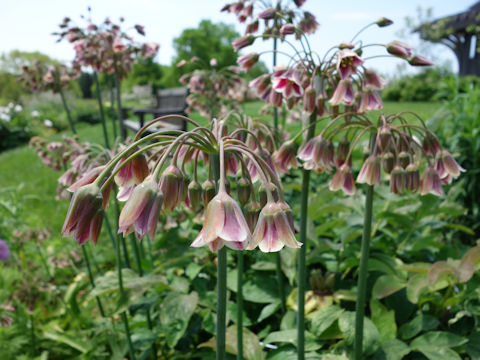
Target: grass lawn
{"points": [[25, 176]]}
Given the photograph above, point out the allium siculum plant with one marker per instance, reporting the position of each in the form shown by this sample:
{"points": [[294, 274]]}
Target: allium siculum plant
{"points": [[339, 89], [153, 174]]}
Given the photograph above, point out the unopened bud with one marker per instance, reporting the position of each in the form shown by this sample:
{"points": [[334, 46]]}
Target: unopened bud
{"points": [[397, 180], [404, 159], [195, 194], [243, 190], [383, 21], [412, 177], [208, 191], [388, 162]]}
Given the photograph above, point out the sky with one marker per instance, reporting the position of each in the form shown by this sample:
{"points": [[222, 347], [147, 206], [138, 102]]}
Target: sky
{"points": [[27, 24]]}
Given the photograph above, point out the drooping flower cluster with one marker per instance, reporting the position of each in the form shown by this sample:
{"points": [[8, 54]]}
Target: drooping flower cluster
{"points": [[161, 185], [106, 46], [279, 18], [213, 92], [42, 77]]}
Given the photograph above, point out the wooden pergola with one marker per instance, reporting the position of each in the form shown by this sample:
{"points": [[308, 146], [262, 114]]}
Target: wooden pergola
{"points": [[461, 33]]}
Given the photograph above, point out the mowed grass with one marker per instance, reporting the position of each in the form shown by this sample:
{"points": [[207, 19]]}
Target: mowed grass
{"points": [[22, 172]]}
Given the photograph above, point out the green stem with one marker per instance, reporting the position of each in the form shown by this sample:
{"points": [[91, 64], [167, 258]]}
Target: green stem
{"points": [[136, 251], [112, 106], [32, 335], [92, 281], [122, 239], [240, 305], [275, 110], [100, 107], [280, 282], [119, 99], [302, 273], [221, 280], [67, 110], [122, 296], [363, 271]]}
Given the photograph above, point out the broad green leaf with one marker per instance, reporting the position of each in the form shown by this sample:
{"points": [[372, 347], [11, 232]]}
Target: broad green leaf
{"points": [[420, 323], [261, 289], [416, 286], [192, 270], [232, 280], [392, 349], [384, 320], [473, 346], [439, 270], [324, 318], [264, 266], [371, 337], [268, 310], [290, 336], [387, 285], [290, 353], [440, 354], [437, 339], [175, 313]]}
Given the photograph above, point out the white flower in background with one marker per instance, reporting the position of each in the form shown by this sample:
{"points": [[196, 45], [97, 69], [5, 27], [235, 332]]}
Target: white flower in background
{"points": [[11, 105], [48, 123], [5, 117], [18, 108], [35, 113]]}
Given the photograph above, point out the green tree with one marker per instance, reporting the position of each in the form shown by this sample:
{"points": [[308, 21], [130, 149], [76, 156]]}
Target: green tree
{"points": [[145, 71]]}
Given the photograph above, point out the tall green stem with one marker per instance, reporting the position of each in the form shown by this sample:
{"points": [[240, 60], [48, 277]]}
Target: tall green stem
{"points": [[240, 305], [112, 107], [281, 287], [275, 110], [100, 107], [119, 99], [65, 106], [221, 281], [136, 251], [122, 295], [362, 275], [122, 239], [302, 273], [92, 281]]}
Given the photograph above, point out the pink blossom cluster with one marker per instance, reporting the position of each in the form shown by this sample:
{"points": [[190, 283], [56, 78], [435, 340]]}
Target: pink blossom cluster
{"points": [[41, 77], [106, 46]]}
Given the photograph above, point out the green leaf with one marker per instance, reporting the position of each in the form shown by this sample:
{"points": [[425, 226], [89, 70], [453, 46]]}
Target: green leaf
{"points": [[371, 337], [290, 336], [268, 310], [261, 289], [416, 286], [70, 340], [192, 270], [473, 346], [324, 318], [392, 349], [175, 313], [437, 339], [440, 354], [419, 323], [384, 320], [387, 285]]}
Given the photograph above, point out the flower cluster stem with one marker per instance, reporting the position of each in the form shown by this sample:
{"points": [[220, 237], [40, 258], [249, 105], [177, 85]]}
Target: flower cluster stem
{"points": [[92, 280], [112, 107], [362, 274], [240, 305], [136, 252], [302, 267], [119, 99], [100, 107], [281, 288], [221, 280], [67, 109]]}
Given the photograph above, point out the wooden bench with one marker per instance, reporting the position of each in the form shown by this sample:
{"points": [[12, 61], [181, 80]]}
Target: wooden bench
{"points": [[169, 101]]}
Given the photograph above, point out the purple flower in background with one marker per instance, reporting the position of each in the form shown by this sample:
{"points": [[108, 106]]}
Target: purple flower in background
{"points": [[4, 251]]}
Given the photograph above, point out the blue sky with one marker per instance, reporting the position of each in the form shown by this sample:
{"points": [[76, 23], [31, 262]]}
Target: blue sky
{"points": [[29, 23]]}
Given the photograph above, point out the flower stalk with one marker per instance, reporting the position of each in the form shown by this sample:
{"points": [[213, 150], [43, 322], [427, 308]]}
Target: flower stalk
{"points": [[100, 107], [302, 251], [240, 305]]}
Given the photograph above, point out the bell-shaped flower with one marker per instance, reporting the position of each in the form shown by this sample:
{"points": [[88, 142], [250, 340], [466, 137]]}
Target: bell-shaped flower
{"points": [[398, 180], [284, 158], [343, 179], [90, 177], [172, 186], [373, 79], [370, 100], [370, 171], [243, 41], [430, 182], [317, 154], [247, 61], [141, 210], [132, 173], [400, 49], [224, 222], [273, 230], [446, 165], [412, 177], [347, 63], [343, 93], [85, 215]]}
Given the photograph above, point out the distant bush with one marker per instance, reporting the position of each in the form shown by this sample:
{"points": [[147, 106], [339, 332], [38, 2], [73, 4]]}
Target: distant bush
{"points": [[13, 126], [429, 85]]}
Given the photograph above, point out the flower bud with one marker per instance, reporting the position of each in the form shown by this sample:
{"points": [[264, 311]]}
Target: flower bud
{"points": [[285, 157], [252, 210], [309, 99], [412, 178], [172, 186], [262, 193], [346, 45], [243, 41], [343, 179], [287, 29], [430, 144], [244, 187], [388, 162], [400, 49], [208, 191], [195, 194], [85, 215], [397, 180], [342, 151], [247, 61], [384, 137], [404, 159], [267, 14], [383, 21], [417, 60]]}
